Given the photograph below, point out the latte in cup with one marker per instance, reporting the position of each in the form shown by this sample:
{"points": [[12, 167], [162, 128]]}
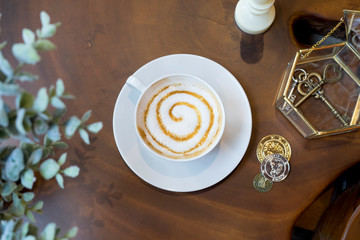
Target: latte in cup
{"points": [[180, 117]]}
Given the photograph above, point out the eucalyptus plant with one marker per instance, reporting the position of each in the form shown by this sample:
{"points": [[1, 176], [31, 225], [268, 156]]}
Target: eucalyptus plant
{"points": [[31, 136]]}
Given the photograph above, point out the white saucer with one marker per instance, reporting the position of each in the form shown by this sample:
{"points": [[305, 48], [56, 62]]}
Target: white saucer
{"points": [[203, 172]]}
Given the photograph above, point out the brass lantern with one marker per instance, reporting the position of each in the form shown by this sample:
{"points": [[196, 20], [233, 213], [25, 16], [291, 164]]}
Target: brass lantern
{"points": [[320, 90]]}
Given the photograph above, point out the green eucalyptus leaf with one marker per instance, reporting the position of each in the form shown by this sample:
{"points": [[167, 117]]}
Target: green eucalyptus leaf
{"points": [[84, 136], [44, 45], [8, 199], [44, 18], [60, 144], [38, 206], [28, 36], [13, 166], [5, 151], [25, 53], [25, 77], [71, 126], [72, 171], [3, 134], [8, 188], [7, 229], [42, 100], [27, 119], [4, 119], [30, 237], [2, 45], [51, 91], [27, 148], [72, 233], [28, 196], [86, 116], [9, 89], [35, 157], [40, 126], [35, 137], [48, 151], [48, 30], [25, 229], [49, 168], [44, 116], [60, 180], [47, 141], [19, 122], [38, 33], [57, 103], [95, 127], [17, 208], [60, 88], [62, 159], [28, 231], [28, 178], [58, 114], [68, 96], [30, 215], [22, 229], [54, 133], [25, 139], [5, 66], [5, 79], [49, 232], [25, 100]]}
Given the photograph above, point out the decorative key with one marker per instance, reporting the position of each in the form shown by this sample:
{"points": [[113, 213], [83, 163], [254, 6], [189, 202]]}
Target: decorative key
{"points": [[299, 76], [320, 95], [314, 82], [302, 76]]}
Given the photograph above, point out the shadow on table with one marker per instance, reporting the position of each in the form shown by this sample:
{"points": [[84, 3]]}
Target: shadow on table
{"points": [[341, 216]]}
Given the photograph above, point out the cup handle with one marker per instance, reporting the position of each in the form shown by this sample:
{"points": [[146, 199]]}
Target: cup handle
{"points": [[136, 83]]}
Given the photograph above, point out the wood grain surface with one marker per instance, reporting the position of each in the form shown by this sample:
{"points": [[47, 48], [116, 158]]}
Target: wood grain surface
{"points": [[101, 43]]}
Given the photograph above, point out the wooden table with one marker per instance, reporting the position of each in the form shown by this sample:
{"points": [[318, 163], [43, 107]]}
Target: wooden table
{"points": [[101, 43]]}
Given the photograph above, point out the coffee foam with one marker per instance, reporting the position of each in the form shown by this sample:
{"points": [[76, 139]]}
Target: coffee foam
{"points": [[179, 117]]}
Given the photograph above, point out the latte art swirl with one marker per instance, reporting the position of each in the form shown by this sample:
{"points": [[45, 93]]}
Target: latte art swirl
{"points": [[180, 118]]}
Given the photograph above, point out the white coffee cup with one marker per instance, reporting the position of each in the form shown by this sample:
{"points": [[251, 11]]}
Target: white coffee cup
{"points": [[178, 117]]}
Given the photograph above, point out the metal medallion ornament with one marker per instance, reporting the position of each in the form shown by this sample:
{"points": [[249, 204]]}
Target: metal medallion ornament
{"points": [[275, 167], [272, 144], [261, 183]]}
